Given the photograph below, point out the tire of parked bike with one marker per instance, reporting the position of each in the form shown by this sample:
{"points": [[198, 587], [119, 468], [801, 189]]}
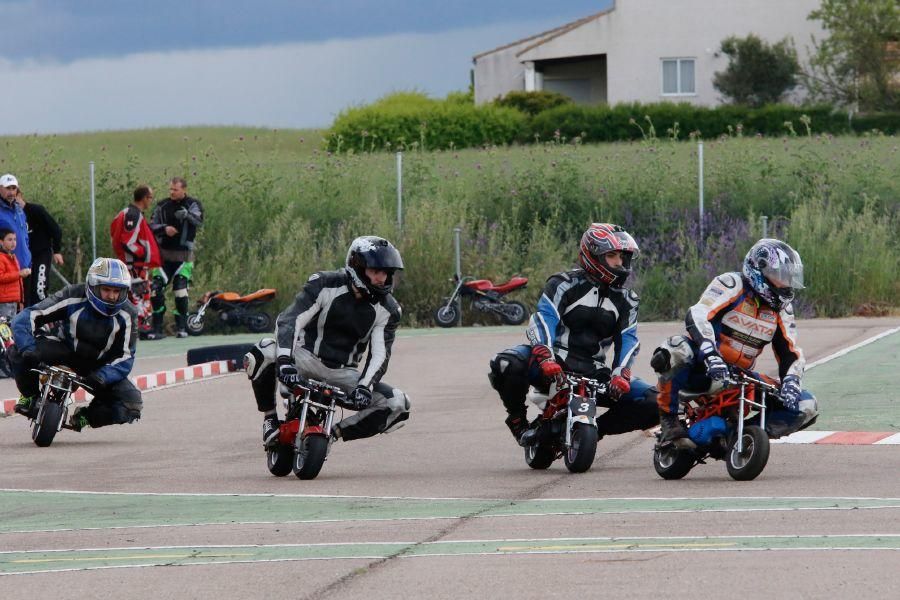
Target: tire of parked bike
{"points": [[194, 324], [671, 462], [47, 424], [447, 316], [754, 455], [310, 456], [580, 456], [259, 322], [514, 313], [280, 459]]}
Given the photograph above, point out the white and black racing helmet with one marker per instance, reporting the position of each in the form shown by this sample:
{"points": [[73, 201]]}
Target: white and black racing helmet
{"points": [[372, 252], [110, 272]]}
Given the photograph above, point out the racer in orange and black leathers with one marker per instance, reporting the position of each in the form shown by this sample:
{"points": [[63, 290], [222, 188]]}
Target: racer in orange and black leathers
{"points": [[585, 323], [736, 317]]}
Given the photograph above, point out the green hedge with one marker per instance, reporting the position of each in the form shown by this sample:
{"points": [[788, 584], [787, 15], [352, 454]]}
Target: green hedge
{"points": [[411, 120]]}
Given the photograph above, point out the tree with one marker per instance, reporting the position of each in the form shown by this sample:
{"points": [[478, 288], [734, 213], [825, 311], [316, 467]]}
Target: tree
{"points": [[757, 73], [854, 65]]}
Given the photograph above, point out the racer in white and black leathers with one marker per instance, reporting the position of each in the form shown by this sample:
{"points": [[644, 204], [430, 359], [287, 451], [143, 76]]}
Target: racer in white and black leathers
{"points": [[95, 338], [737, 316], [324, 334], [590, 322]]}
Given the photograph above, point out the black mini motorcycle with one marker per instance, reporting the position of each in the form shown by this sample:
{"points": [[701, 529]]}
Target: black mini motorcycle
{"points": [[234, 311]]}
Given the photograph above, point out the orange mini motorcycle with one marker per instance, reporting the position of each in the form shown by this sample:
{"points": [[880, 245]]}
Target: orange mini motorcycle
{"points": [[234, 311]]}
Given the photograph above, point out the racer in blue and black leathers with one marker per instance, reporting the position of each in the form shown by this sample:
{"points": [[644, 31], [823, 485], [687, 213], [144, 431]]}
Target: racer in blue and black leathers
{"points": [[585, 323], [324, 334], [94, 337]]}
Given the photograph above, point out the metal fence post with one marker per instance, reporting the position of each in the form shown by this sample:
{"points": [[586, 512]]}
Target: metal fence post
{"points": [[765, 226], [700, 185], [458, 264], [399, 191], [93, 216]]}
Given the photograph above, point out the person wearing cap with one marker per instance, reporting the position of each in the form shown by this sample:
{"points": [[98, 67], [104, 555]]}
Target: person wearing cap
{"points": [[175, 222], [12, 217], [45, 241]]}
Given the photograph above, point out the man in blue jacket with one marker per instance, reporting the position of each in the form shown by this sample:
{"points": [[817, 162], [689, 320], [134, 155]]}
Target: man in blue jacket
{"points": [[96, 339], [12, 217]]}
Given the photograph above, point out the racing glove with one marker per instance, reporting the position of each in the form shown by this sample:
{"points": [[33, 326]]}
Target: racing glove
{"points": [[543, 355], [360, 398], [620, 383], [288, 373], [716, 368], [181, 214], [790, 392]]}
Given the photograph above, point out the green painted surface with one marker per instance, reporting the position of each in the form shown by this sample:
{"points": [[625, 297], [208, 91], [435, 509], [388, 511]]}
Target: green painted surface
{"points": [[23, 562], [858, 391], [35, 511]]}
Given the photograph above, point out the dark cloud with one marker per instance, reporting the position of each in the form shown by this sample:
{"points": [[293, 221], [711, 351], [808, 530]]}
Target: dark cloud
{"points": [[64, 31]]}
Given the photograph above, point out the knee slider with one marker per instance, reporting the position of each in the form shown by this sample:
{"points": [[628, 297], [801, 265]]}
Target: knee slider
{"points": [[259, 357], [397, 400]]}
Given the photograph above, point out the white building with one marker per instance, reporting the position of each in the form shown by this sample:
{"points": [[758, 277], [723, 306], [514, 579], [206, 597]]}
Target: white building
{"points": [[641, 50]]}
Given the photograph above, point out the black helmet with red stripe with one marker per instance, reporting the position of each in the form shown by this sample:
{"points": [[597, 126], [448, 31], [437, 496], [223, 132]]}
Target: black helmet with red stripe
{"points": [[597, 241]]}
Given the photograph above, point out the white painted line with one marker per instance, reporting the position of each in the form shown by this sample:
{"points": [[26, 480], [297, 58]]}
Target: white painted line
{"points": [[849, 349], [891, 440], [803, 437]]}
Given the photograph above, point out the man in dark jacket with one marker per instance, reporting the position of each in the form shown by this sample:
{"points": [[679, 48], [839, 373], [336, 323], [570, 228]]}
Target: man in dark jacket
{"points": [[12, 217], [45, 242], [175, 222]]}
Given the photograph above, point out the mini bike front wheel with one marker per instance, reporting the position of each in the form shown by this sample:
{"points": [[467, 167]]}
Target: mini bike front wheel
{"points": [[447, 315], [47, 423], [747, 464], [194, 324], [309, 456], [580, 455]]}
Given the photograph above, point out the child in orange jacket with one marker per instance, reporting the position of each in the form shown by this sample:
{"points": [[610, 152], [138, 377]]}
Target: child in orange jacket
{"points": [[11, 276]]}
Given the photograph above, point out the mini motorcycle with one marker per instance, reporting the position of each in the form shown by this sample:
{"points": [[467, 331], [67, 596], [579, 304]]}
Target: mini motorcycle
{"points": [[234, 311], [58, 384], [484, 296], [721, 426], [566, 425], [6, 340], [305, 435]]}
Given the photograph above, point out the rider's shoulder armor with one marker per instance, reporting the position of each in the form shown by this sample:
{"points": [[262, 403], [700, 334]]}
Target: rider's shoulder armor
{"points": [[729, 281]]}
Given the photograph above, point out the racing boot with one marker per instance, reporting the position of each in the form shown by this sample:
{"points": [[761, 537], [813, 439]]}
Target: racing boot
{"points": [[518, 426], [79, 419], [673, 431], [25, 406]]}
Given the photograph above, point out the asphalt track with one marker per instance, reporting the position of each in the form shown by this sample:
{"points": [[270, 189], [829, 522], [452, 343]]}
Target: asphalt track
{"points": [[181, 505]]}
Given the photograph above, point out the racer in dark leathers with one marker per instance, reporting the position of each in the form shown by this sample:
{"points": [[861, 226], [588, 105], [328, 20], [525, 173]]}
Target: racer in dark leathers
{"points": [[737, 316], [585, 323], [323, 335], [175, 222], [96, 338]]}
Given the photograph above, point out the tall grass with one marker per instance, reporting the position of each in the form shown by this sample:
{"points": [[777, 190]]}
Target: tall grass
{"points": [[278, 209]]}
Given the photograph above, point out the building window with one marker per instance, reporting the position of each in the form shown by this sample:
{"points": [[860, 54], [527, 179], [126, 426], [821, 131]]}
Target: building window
{"points": [[678, 77]]}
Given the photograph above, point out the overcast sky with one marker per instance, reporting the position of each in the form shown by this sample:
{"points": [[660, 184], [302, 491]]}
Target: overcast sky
{"points": [[104, 64]]}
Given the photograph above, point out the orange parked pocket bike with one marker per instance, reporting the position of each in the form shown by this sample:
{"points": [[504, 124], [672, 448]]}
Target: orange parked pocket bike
{"points": [[234, 311]]}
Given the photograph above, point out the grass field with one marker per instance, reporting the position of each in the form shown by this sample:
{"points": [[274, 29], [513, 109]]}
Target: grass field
{"points": [[278, 207]]}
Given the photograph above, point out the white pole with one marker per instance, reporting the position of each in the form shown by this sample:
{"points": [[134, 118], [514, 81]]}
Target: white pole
{"points": [[93, 215], [399, 190], [456, 247], [700, 161], [765, 226]]}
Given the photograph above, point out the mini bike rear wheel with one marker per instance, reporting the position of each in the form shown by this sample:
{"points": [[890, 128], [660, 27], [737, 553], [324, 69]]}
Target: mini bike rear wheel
{"points": [[47, 424], [310, 456], [539, 457], [279, 459], [751, 460], [671, 462], [580, 455], [514, 313], [259, 322]]}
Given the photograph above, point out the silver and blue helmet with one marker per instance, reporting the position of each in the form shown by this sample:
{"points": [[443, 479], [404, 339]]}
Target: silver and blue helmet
{"points": [[774, 271], [110, 272]]}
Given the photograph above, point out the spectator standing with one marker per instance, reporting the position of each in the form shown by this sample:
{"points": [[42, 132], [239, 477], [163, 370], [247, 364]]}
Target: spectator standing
{"points": [[11, 275], [13, 217], [175, 222], [45, 243]]}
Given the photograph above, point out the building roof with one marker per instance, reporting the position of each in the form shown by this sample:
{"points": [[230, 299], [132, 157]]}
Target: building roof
{"points": [[546, 36]]}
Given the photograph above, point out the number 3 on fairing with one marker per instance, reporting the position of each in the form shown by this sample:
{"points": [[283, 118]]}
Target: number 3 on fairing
{"points": [[584, 407]]}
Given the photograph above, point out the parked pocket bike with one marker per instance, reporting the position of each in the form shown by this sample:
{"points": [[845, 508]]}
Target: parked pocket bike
{"points": [[485, 297], [728, 423], [234, 311]]}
